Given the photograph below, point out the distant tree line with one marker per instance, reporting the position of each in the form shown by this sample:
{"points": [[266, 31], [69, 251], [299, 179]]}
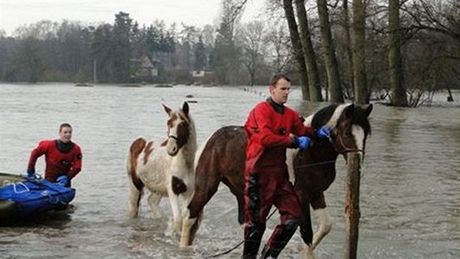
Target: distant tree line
{"points": [[400, 50], [68, 51]]}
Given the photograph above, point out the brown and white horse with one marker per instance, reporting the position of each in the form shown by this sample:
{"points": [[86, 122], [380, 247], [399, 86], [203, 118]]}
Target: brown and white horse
{"points": [[165, 169], [223, 160]]}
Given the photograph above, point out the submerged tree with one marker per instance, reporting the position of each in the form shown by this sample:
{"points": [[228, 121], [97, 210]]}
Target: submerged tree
{"points": [[398, 92], [359, 56]]}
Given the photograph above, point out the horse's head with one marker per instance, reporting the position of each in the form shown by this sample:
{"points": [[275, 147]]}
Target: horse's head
{"points": [[350, 126], [179, 128]]}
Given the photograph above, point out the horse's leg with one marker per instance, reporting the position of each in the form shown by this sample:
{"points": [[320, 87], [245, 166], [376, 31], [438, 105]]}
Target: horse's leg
{"points": [[205, 187], [324, 220], [189, 227], [176, 191], [324, 225], [135, 196], [306, 230], [136, 185], [153, 200], [236, 187]]}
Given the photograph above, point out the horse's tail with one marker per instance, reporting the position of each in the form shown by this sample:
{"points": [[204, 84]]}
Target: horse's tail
{"points": [[136, 185]]}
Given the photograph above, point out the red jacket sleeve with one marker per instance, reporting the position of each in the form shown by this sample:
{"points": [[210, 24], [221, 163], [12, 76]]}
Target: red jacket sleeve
{"points": [[299, 129], [76, 163], [262, 129], [40, 150]]}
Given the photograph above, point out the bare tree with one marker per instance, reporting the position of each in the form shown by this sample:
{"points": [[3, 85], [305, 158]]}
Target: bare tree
{"points": [[330, 59], [359, 56], [280, 46], [297, 48], [309, 53], [252, 37], [398, 92], [348, 52]]}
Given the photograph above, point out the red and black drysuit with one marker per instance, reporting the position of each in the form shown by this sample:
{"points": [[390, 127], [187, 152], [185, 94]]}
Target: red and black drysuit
{"points": [[61, 159], [268, 128]]}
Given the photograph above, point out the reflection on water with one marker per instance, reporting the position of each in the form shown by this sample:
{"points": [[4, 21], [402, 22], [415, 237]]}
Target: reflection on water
{"points": [[410, 185]]}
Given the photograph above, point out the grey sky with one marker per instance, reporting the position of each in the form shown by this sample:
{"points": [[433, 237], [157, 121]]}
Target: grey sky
{"points": [[14, 13]]}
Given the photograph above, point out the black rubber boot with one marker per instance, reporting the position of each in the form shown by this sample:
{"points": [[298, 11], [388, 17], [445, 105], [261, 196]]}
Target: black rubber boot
{"points": [[279, 238], [253, 231], [252, 238], [267, 253]]}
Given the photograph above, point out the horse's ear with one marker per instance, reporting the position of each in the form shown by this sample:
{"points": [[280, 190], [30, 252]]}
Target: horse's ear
{"points": [[167, 109], [368, 110], [348, 111], [185, 108]]}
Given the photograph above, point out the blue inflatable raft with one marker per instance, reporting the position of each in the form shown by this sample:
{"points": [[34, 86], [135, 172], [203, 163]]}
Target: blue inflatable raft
{"points": [[20, 197]]}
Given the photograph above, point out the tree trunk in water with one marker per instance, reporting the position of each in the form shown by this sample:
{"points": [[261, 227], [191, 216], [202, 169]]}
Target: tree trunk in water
{"points": [[349, 54], [309, 53], [352, 213], [398, 92], [297, 48], [359, 56], [330, 60]]}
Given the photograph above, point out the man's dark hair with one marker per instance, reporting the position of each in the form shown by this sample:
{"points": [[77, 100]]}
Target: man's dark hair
{"points": [[64, 125], [277, 77]]}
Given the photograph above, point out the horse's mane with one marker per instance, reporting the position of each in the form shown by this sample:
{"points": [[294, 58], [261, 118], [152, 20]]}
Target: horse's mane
{"points": [[323, 116]]}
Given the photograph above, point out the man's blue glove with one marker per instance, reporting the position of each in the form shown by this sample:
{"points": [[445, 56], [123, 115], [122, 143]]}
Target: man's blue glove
{"points": [[63, 180], [303, 143], [323, 132], [31, 175]]}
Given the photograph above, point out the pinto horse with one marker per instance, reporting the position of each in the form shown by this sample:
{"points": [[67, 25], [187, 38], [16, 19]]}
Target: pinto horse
{"points": [[166, 170], [222, 159]]}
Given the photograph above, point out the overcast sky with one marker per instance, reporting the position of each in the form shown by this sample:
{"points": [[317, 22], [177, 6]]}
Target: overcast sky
{"points": [[14, 13]]}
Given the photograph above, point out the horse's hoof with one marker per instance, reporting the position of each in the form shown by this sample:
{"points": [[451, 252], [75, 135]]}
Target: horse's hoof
{"points": [[307, 252]]}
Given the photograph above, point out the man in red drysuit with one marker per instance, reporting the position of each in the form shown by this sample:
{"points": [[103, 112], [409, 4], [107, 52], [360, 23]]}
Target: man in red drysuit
{"points": [[272, 127], [62, 156]]}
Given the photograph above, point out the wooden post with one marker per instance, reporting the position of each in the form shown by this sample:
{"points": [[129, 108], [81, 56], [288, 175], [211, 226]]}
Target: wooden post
{"points": [[352, 213]]}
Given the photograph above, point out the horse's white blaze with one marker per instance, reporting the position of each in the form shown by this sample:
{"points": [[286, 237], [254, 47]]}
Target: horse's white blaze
{"points": [[359, 135], [324, 226]]}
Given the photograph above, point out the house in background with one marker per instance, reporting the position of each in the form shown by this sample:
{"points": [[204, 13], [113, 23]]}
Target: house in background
{"points": [[145, 69]]}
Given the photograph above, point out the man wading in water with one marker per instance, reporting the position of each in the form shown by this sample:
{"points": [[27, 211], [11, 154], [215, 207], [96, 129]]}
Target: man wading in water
{"points": [[272, 127]]}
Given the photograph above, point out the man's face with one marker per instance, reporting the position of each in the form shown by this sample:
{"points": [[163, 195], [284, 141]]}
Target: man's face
{"points": [[65, 134], [280, 91]]}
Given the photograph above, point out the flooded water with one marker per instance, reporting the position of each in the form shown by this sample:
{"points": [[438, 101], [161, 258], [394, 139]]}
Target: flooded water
{"points": [[410, 188]]}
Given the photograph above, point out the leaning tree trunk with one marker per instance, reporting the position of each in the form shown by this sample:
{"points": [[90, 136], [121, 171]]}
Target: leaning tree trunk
{"points": [[330, 60], [297, 48], [309, 53], [398, 92], [359, 56]]}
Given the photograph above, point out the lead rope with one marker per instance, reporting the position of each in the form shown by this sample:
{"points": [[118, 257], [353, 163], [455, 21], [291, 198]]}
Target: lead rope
{"points": [[237, 245]]}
